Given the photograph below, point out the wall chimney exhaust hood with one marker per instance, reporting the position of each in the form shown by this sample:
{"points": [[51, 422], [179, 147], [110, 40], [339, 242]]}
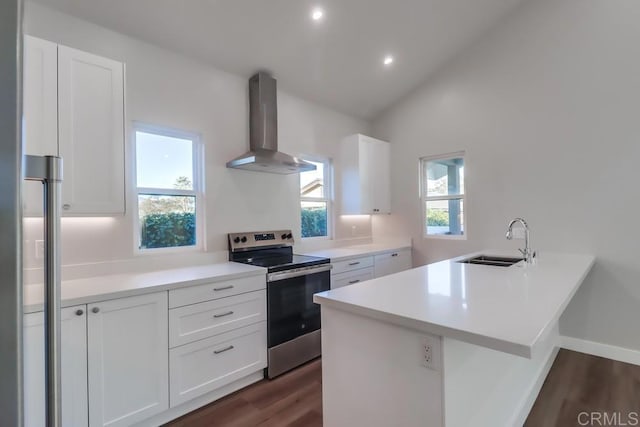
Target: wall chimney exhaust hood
{"points": [[263, 155]]}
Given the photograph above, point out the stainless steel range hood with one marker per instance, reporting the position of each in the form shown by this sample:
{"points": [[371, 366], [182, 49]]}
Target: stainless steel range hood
{"points": [[263, 133]]}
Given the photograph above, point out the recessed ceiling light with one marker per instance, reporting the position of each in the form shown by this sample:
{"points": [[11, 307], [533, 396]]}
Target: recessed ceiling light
{"points": [[317, 14], [388, 60]]}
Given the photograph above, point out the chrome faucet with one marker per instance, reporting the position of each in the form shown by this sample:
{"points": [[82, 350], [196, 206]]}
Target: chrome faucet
{"points": [[527, 252]]}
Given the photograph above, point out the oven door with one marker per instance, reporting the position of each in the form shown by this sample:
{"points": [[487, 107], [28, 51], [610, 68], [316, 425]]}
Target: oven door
{"points": [[291, 311]]}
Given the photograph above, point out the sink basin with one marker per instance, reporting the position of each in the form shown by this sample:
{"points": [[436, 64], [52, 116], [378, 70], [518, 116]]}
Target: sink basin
{"points": [[496, 261]]}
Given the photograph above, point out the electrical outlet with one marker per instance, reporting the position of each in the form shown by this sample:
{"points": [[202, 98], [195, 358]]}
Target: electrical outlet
{"points": [[428, 349], [39, 249]]}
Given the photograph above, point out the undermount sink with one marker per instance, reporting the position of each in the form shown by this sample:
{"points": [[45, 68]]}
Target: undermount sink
{"points": [[496, 261]]}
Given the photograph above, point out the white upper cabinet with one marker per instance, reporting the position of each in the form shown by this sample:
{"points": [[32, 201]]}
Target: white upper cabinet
{"points": [[40, 97], [366, 174], [40, 111], [74, 107], [128, 354], [91, 132]]}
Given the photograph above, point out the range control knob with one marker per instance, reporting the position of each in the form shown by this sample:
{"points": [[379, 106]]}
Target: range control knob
{"points": [[244, 239], [289, 236], [236, 240], [284, 236]]}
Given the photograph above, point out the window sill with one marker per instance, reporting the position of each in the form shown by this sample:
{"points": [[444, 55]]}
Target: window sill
{"points": [[444, 237], [169, 251], [308, 239]]}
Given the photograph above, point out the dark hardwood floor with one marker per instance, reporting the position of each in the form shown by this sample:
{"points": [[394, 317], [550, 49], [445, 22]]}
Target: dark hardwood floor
{"points": [[291, 400], [579, 383], [576, 383]]}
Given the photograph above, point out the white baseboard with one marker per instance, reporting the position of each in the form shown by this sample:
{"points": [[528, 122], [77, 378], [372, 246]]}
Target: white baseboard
{"points": [[620, 354]]}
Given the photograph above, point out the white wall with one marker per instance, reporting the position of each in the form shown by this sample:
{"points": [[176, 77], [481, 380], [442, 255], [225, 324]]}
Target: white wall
{"points": [[547, 107], [166, 89]]}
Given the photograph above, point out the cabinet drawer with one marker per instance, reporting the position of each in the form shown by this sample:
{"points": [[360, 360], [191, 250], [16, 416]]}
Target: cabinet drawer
{"points": [[351, 264], [395, 255], [197, 321], [206, 365], [351, 277], [212, 291], [392, 262]]}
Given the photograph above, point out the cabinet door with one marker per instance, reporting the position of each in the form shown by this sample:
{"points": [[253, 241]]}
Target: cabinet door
{"points": [[366, 174], [91, 132], [128, 359], [73, 368], [392, 262], [40, 111], [380, 166]]}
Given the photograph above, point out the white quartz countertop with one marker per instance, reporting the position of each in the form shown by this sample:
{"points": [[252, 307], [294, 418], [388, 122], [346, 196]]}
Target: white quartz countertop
{"points": [[350, 252], [508, 309], [102, 288]]}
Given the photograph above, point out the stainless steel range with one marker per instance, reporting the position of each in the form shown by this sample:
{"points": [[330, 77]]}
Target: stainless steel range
{"points": [[293, 320]]}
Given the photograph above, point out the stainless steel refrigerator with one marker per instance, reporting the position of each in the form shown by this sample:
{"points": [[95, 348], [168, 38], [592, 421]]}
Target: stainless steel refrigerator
{"points": [[15, 166]]}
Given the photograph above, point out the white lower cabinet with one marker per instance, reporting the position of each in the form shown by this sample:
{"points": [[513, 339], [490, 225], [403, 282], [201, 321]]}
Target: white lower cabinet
{"points": [[128, 359], [217, 290], [351, 277], [198, 321], [73, 368], [351, 271], [217, 335], [351, 264], [356, 270], [392, 262], [120, 356], [203, 366]]}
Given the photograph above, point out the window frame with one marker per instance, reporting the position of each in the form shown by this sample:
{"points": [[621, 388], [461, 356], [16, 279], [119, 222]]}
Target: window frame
{"points": [[328, 195], [424, 198], [198, 192]]}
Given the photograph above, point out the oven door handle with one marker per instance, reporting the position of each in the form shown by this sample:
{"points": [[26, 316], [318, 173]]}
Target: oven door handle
{"points": [[274, 277]]}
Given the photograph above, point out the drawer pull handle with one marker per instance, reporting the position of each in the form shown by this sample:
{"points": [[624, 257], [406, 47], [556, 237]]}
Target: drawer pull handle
{"points": [[354, 281], [223, 350], [354, 263], [79, 312], [228, 313], [394, 254], [224, 288]]}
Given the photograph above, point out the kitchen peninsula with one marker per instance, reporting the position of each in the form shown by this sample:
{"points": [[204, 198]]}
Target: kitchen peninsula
{"points": [[449, 343]]}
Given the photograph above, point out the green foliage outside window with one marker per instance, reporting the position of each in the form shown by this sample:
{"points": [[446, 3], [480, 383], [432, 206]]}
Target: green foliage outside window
{"points": [[437, 217], [168, 220], [314, 222], [162, 230]]}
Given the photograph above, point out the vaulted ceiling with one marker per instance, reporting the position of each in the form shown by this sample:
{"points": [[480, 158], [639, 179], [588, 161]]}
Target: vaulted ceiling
{"points": [[336, 61]]}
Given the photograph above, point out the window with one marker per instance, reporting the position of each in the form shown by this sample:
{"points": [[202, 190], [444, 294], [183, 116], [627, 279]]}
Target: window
{"points": [[168, 188], [315, 199], [442, 194]]}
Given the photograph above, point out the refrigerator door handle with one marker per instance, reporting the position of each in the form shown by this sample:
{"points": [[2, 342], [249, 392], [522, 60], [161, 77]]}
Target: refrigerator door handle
{"points": [[48, 170]]}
